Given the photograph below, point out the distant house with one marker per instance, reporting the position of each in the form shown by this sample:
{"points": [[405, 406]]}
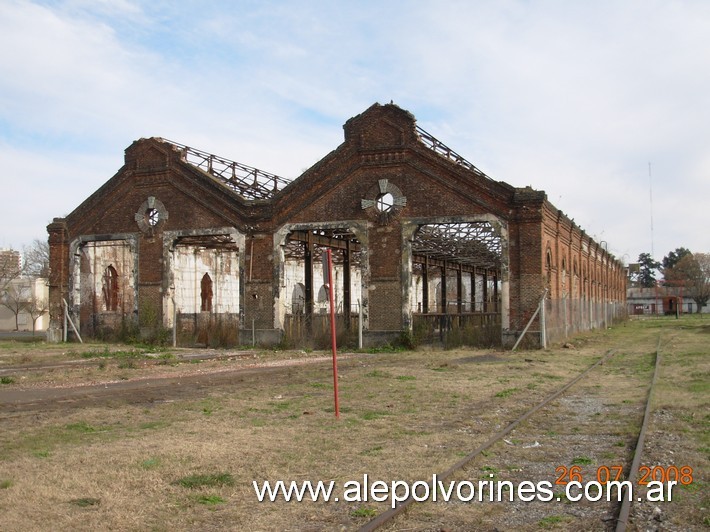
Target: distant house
{"points": [[10, 261], [24, 302], [660, 300]]}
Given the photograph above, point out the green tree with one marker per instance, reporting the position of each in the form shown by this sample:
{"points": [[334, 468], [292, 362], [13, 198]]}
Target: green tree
{"points": [[646, 276], [692, 273], [670, 260]]}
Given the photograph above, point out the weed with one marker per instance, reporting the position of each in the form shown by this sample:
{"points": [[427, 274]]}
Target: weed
{"points": [[127, 364], [373, 450], [150, 463], [210, 500], [561, 496], [702, 387], [198, 481], [386, 348], [582, 460], [378, 374], [81, 427], [506, 393], [41, 454], [364, 512], [85, 502], [696, 485], [5, 484], [489, 472], [406, 378], [6, 380], [550, 521]]}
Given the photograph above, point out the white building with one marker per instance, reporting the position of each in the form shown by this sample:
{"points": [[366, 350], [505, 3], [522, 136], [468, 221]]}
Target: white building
{"points": [[23, 304], [661, 300]]}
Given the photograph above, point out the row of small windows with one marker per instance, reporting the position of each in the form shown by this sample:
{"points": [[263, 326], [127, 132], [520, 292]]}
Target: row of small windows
{"points": [[575, 270]]}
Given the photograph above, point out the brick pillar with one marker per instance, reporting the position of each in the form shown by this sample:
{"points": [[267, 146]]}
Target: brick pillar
{"points": [[385, 289], [58, 276], [258, 301]]}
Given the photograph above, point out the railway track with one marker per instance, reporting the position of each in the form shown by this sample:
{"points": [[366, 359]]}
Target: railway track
{"points": [[592, 430]]}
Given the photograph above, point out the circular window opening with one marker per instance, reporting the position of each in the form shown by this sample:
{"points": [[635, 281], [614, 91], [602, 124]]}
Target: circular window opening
{"points": [[152, 216], [385, 202]]}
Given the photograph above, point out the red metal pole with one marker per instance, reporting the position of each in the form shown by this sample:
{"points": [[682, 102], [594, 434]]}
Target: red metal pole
{"points": [[332, 332]]}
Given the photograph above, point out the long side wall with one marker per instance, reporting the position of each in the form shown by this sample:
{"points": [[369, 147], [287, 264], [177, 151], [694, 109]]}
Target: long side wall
{"points": [[586, 284]]}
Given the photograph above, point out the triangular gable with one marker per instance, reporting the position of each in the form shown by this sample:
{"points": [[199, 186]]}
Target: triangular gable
{"points": [[153, 165], [387, 136]]}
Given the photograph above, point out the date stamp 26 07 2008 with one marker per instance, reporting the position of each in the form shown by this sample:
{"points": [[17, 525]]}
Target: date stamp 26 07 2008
{"points": [[652, 477]]}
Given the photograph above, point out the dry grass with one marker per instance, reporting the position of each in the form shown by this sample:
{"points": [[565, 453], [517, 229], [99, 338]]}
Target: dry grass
{"points": [[405, 415]]}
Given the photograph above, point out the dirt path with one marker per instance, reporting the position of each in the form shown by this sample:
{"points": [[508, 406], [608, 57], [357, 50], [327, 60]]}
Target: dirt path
{"points": [[159, 386]]}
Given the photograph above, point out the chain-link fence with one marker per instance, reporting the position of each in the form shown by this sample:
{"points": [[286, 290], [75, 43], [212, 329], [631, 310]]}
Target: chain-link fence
{"points": [[565, 317]]}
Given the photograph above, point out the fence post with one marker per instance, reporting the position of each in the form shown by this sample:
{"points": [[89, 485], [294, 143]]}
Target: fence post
{"points": [[537, 310], [174, 322], [359, 325], [564, 313], [71, 322], [543, 325]]}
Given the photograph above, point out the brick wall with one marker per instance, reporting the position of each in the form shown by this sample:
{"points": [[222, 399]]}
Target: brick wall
{"points": [[382, 152]]}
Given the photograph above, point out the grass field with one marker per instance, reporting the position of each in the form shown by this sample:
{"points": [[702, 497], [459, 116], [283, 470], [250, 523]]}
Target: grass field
{"points": [[187, 461]]}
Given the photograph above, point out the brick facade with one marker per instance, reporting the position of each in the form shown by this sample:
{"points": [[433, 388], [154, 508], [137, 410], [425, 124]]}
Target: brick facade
{"points": [[160, 204]]}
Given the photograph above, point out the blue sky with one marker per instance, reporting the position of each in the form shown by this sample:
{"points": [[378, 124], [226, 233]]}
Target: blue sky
{"points": [[571, 97]]}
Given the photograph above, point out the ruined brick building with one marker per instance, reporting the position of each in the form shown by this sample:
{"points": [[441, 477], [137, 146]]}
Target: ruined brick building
{"points": [[422, 241]]}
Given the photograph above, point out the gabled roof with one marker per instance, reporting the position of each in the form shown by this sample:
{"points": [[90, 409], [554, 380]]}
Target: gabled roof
{"points": [[255, 184]]}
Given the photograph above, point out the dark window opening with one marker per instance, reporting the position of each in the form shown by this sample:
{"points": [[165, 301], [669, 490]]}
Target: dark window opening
{"points": [[110, 288], [206, 293]]}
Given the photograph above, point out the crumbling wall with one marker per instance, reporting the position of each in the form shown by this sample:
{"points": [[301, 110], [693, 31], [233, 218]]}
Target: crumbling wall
{"points": [[190, 264], [104, 288]]}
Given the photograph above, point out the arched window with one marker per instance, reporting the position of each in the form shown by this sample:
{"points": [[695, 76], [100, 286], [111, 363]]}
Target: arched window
{"points": [[323, 294], [110, 288], [298, 299], [206, 293], [564, 275]]}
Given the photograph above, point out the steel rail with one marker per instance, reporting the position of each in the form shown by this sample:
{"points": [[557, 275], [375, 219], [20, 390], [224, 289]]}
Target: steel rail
{"points": [[625, 510], [390, 514]]}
